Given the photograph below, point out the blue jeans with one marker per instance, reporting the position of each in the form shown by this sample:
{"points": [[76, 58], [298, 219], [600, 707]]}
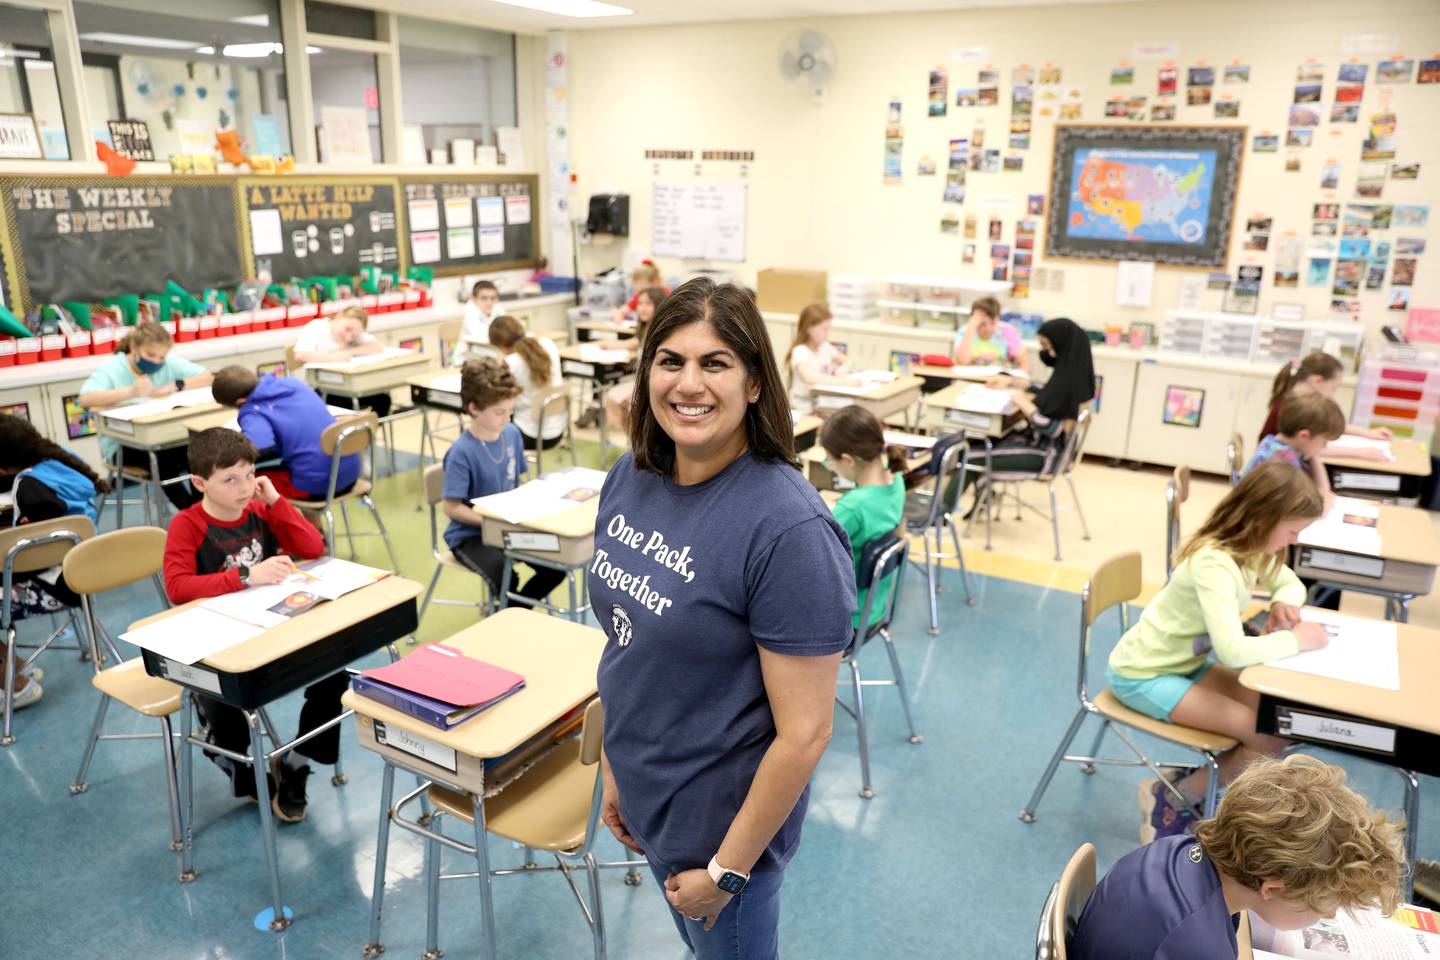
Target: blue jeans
{"points": [[747, 929]]}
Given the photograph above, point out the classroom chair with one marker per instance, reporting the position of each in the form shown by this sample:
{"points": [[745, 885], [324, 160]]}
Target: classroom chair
{"points": [[1064, 905], [444, 556], [107, 562], [1235, 457], [551, 403], [1005, 483], [449, 335], [878, 559], [32, 548], [1177, 491], [342, 438], [1116, 582], [930, 511], [554, 806], [119, 475]]}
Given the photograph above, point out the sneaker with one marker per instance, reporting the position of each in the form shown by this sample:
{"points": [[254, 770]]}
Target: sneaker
{"points": [[1159, 817], [590, 418], [34, 673], [288, 798], [26, 695]]}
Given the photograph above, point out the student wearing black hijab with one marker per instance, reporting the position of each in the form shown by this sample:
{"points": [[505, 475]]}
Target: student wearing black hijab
{"points": [[1035, 442]]}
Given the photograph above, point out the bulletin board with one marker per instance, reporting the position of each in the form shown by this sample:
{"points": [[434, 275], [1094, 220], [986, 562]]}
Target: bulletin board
{"points": [[465, 224], [307, 226]]}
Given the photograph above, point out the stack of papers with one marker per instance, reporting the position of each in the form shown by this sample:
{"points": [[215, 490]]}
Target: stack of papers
{"points": [[982, 399], [1360, 651], [553, 493], [1364, 443], [389, 353], [593, 353], [154, 405], [910, 441], [1352, 525]]}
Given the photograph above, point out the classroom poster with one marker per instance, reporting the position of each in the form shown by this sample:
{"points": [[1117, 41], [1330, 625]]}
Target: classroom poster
{"points": [[79, 422], [21, 410], [1183, 406]]}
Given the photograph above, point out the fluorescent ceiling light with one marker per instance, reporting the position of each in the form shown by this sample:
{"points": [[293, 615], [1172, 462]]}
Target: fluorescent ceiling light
{"points": [[19, 54], [572, 8], [134, 41], [252, 51], [254, 20]]}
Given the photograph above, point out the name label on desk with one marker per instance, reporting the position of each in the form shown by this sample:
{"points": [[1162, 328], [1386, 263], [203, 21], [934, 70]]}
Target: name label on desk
{"points": [[1388, 482], [443, 398], [415, 745], [977, 420], [523, 540], [329, 376], [578, 369], [1349, 733], [191, 676], [1372, 567], [119, 426]]}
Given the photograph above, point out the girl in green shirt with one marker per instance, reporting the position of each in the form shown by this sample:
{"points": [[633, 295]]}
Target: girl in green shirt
{"points": [[854, 443]]}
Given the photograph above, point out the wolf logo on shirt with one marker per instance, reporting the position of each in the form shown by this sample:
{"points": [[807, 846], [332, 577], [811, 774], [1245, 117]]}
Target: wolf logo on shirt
{"points": [[620, 623]]}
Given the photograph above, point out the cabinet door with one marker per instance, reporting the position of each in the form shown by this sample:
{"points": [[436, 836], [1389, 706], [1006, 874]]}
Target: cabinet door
{"points": [[1110, 410], [1182, 415], [70, 426]]}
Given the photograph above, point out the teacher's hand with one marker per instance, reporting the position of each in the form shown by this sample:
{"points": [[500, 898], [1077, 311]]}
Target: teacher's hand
{"points": [[694, 894], [610, 815]]}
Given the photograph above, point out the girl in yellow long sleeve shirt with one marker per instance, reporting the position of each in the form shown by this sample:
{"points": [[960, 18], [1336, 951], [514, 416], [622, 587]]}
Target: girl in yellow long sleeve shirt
{"points": [[1181, 661]]}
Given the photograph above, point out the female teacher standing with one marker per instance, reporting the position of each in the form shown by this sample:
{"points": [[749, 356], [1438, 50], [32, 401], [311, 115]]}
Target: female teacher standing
{"points": [[725, 587]]}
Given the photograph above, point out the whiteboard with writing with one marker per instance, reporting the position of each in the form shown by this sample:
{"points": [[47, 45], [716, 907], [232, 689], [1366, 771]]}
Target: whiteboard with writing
{"points": [[699, 220]]}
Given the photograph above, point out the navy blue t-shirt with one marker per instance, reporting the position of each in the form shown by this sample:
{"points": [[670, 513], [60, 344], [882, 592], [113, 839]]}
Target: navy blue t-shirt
{"points": [[478, 468], [1161, 902], [686, 581]]}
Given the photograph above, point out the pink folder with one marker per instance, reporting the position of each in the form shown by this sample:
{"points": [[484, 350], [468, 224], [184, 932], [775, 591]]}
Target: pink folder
{"points": [[444, 673]]}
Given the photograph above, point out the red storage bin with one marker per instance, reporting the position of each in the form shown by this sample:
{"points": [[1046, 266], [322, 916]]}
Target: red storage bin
{"points": [[301, 313], [27, 350], [77, 344], [209, 327], [412, 300], [187, 329], [52, 347], [103, 340], [268, 318], [7, 352]]}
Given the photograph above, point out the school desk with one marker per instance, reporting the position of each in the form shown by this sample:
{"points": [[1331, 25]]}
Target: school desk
{"points": [[364, 378], [151, 434], [951, 410], [881, 399], [807, 432], [1393, 481], [579, 362], [937, 378], [589, 330], [1400, 728], [431, 391], [558, 660], [249, 675], [229, 417], [1404, 569], [562, 541]]}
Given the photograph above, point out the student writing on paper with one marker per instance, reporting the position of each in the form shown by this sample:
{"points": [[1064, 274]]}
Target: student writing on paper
{"points": [[618, 398], [243, 532], [813, 360], [283, 417], [534, 362], [1319, 373], [481, 310], [643, 277], [988, 341], [1290, 842], [338, 338], [47, 481], [1180, 663], [489, 457], [142, 366]]}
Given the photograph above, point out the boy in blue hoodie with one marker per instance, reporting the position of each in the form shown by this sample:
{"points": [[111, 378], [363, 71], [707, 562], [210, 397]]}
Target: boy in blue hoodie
{"points": [[283, 416]]}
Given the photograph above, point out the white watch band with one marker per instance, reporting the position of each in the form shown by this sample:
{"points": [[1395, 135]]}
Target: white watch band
{"points": [[716, 871]]}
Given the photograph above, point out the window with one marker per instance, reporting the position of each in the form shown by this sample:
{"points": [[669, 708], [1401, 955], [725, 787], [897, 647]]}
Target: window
{"points": [[186, 70], [27, 77], [439, 60], [345, 81]]}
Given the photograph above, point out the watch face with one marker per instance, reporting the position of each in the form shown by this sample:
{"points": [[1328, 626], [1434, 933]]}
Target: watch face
{"points": [[731, 882]]}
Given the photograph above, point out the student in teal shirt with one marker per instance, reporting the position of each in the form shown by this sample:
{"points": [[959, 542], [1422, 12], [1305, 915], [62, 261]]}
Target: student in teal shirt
{"points": [[144, 367], [854, 443]]}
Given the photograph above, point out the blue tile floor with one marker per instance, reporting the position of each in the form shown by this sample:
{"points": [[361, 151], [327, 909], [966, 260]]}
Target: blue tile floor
{"points": [[936, 865]]}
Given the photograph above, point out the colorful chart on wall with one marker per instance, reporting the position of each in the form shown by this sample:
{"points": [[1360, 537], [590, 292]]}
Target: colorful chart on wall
{"points": [[21, 410], [79, 422], [1165, 194], [1183, 406]]}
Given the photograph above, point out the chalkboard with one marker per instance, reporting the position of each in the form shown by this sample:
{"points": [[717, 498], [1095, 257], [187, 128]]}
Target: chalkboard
{"points": [[319, 226], [460, 224], [85, 238]]}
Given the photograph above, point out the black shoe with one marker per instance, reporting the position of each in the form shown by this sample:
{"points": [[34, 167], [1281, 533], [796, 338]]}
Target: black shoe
{"points": [[589, 418], [288, 798]]}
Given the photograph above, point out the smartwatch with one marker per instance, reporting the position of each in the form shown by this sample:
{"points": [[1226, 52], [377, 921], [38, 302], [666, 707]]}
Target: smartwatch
{"points": [[244, 571], [179, 385], [728, 880]]}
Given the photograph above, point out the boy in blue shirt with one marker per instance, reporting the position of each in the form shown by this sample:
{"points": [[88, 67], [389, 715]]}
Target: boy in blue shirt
{"points": [[281, 415], [1306, 425], [1290, 843], [489, 457]]}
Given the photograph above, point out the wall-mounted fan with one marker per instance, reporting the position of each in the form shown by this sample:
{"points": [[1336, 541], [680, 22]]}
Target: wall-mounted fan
{"points": [[808, 58]]}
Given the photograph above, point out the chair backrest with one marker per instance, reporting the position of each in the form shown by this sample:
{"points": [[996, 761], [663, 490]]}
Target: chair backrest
{"points": [[115, 559], [1045, 948], [1074, 449], [1077, 882], [292, 366], [592, 733], [1177, 491], [32, 547], [552, 401], [1235, 457], [947, 458], [1114, 583], [449, 333], [434, 493], [349, 435]]}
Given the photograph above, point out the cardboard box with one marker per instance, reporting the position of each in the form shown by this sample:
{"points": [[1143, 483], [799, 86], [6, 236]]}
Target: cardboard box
{"points": [[789, 291]]}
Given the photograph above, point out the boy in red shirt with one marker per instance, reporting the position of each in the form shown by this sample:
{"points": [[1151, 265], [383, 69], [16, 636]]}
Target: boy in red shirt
{"points": [[243, 532]]}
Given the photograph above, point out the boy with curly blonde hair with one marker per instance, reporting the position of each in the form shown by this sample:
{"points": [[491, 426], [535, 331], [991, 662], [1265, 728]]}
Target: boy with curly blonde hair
{"points": [[1290, 842]]}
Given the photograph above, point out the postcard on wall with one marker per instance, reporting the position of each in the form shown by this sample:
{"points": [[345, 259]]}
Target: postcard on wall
{"points": [[1394, 71], [1237, 73], [939, 90]]}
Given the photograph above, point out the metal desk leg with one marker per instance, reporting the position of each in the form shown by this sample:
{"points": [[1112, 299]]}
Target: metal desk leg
{"points": [[600, 422], [424, 437], [277, 918], [1412, 830], [187, 784], [159, 493], [382, 847], [503, 587], [574, 611], [482, 862], [989, 488]]}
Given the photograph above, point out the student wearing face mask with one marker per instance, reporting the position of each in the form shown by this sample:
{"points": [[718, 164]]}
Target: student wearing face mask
{"points": [[142, 367]]}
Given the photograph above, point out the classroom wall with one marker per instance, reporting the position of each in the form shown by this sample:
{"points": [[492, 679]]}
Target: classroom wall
{"points": [[816, 197]]}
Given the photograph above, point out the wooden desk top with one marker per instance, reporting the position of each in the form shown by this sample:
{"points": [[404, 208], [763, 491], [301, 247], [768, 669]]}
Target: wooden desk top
{"points": [[557, 658], [1412, 706], [1411, 460], [430, 376], [807, 423], [175, 413], [577, 522], [880, 391], [312, 626], [574, 352], [218, 417], [370, 366]]}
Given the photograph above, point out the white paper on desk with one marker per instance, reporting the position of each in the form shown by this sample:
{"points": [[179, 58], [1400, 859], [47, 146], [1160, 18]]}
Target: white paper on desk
{"points": [[597, 354], [1360, 651], [252, 605], [449, 383], [979, 398], [577, 477], [843, 389], [876, 376], [985, 372], [146, 408], [538, 498], [338, 577], [192, 636], [389, 353], [910, 441], [1359, 935], [266, 234], [1351, 526], [1363, 443]]}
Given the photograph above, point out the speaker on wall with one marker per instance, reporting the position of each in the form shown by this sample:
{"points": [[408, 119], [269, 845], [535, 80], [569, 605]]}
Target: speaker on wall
{"points": [[609, 213]]}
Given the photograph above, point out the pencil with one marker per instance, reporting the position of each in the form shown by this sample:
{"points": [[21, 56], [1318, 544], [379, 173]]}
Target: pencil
{"points": [[307, 575]]}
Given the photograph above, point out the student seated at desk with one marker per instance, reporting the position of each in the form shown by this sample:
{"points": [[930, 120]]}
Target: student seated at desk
{"points": [[855, 449], [619, 397], [988, 341], [242, 532], [813, 360], [337, 338], [48, 481], [1162, 665], [534, 362], [489, 457], [643, 277], [283, 417], [1290, 843], [142, 367], [481, 310], [1319, 373]]}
